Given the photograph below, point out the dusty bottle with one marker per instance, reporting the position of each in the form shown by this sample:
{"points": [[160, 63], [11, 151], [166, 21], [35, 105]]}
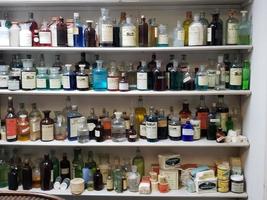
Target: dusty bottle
{"points": [[26, 176], [89, 35], [46, 168], [143, 32], [23, 128], [35, 117]]}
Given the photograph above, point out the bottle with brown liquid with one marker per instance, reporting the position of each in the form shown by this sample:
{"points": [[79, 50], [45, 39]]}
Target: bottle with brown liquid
{"points": [[26, 176], [23, 128], [47, 127], [143, 32], [11, 122], [89, 35], [62, 36], [46, 168], [131, 133], [185, 113], [202, 115]]}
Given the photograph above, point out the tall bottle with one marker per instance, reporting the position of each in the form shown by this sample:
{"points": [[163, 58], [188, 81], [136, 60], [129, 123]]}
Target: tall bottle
{"points": [[105, 29], [26, 176], [68, 78], [73, 117], [188, 80], [17, 163], [246, 75], [13, 178], [176, 77], [215, 30], [163, 39], [77, 164], [65, 167], [60, 126], [139, 162], [113, 78], [83, 131], [99, 77], [54, 79], [91, 123], [82, 79], [140, 113], [232, 29], [162, 125], [227, 65], [205, 24], [131, 132], [186, 25], [152, 126], [153, 33], [174, 128], [159, 79], [142, 77], [55, 163], [244, 29], [220, 74], [4, 34], [195, 32], [143, 32], [213, 123], [33, 24], [128, 34], [46, 168], [11, 122], [58, 63], [89, 34], [4, 168], [116, 34], [47, 127], [236, 75], [222, 112], [202, 114], [178, 35], [62, 34], [14, 34], [77, 31]]}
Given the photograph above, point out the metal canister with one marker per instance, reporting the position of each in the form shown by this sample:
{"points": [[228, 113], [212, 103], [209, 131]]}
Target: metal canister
{"points": [[223, 185], [223, 172]]}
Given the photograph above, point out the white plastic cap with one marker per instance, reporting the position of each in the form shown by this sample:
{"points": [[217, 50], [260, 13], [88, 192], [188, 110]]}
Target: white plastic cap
{"points": [[243, 12]]}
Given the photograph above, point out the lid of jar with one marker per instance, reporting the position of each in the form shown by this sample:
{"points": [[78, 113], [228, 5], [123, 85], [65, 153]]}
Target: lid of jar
{"points": [[54, 70], [42, 70], [237, 177], [4, 68], [77, 181]]}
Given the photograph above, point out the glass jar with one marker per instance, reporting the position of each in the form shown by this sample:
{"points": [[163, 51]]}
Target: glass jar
{"points": [[28, 75], [4, 76], [23, 128], [42, 78], [60, 126], [54, 79], [13, 82], [118, 131], [163, 40], [83, 131]]}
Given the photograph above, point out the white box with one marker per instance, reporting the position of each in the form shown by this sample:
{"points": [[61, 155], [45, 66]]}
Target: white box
{"points": [[206, 185], [169, 161], [172, 177]]}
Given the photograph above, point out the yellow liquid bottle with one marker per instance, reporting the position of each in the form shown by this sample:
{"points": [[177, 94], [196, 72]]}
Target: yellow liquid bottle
{"points": [[186, 25], [140, 113]]}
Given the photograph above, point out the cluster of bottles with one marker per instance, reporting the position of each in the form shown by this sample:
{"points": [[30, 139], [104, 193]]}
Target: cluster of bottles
{"points": [[49, 172], [125, 33], [120, 127], [152, 76]]}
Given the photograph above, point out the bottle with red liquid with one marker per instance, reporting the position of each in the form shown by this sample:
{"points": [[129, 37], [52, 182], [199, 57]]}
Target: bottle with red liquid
{"points": [[34, 25], [11, 122], [159, 79], [202, 115], [45, 39]]}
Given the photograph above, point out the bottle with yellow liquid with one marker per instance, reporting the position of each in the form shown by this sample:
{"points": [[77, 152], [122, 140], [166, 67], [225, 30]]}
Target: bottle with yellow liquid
{"points": [[186, 25], [140, 113]]}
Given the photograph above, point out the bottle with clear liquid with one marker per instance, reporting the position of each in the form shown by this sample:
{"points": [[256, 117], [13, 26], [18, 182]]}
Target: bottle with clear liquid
{"points": [[202, 79], [195, 32], [105, 27], [133, 179], [232, 29], [131, 77], [246, 75], [205, 24], [186, 25], [83, 131], [118, 130], [178, 35], [244, 29], [236, 75], [35, 117], [220, 74], [128, 34], [77, 31], [99, 77], [163, 39], [143, 32]]}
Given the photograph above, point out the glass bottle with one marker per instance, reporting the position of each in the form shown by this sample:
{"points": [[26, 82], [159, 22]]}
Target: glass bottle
{"points": [[107, 125], [128, 34], [152, 126], [62, 35], [183, 65], [22, 110], [68, 78], [42, 81], [13, 178], [159, 79], [244, 29], [205, 24], [77, 164], [32, 23], [54, 79], [236, 75], [151, 66], [105, 29], [133, 180], [220, 74], [91, 162], [195, 32], [35, 117], [23, 126], [188, 80], [153, 33], [4, 168], [131, 133], [26, 176], [213, 123], [36, 176], [202, 114], [82, 62], [176, 77], [222, 112], [227, 65], [229, 124], [196, 123], [163, 39], [14, 34], [77, 31], [65, 167], [46, 171], [58, 63], [82, 79], [113, 78], [246, 75], [28, 75], [17, 162], [162, 125], [47, 127], [143, 32], [4, 34], [123, 84], [83, 131], [132, 77], [126, 119], [70, 31], [91, 123], [11, 122], [25, 36], [116, 34], [178, 35], [139, 113], [99, 132], [185, 113], [89, 34], [73, 117], [215, 30], [98, 180], [202, 79], [139, 162], [118, 131], [60, 126], [4, 72], [67, 108], [232, 29], [55, 163], [211, 73], [142, 77], [186, 25], [174, 128], [45, 38], [99, 77], [187, 131]]}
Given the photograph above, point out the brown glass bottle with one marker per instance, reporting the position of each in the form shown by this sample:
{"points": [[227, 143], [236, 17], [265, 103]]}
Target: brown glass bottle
{"points": [[151, 66], [27, 176], [47, 127], [89, 35], [202, 115], [11, 122], [106, 122], [62, 36], [159, 79], [65, 167], [143, 32], [98, 180], [99, 132], [46, 171], [131, 133], [185, 113]]}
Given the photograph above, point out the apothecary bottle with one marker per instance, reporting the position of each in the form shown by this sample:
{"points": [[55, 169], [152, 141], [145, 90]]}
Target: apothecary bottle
{"points": [[202, 114], [128, 34], [152, 126], [188, 79], [99, 132], [105, 29], [62, 39], [153, 32], [54, 79], [4, 72], [46, 171], [91, 123], [4, 34], [176, 77], [89, 34], [26, 175], [195, 32], [139, 162], [246, 75], [35, 117], [82, 79], [47, 127], [133, 179], [187, 131], [60, 126], [68, 78], [4, 168], [98, 180], [159, 79], [232, 29], [131, 77], [162, 125], [77, 164], [70, 29], [236, 75], [23, 128], [118, 130], [11, 122], [25, 36], [174, 128], [142, 77], [65, 167], [77, 31], [14, 34], [42, 81], [205, 24], [186, 25], [32, 24], [213, 123], [163, 39], [244, 29], [28, 75], [215, 30], [116, 33], [45, 38], [178, 35], [131, 133], [99, 77], [83, 131], [143, 32], [73, 117], [185, 113], [13, 183], [202, 79], [123, 84]]}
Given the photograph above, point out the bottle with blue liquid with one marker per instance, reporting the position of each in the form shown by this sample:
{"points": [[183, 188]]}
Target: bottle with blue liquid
{"points": [[68, 78], [77, 31], [187, 131], [99, 77]]}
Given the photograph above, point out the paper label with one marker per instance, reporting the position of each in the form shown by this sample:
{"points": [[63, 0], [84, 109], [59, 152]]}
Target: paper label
{"points": [[113, 83], [180, 35], [35, 124], [107, 33], [232, 33], [3, 81], [97, 133], [82, 81], [45, 37], [209, 35], [174, 130], [41, 83], [54, 83], [151, 130], [143, 130], [203, 117], [11, 128], [235, 76], [123, 86], [188, 132], [65, 171], [203, 80], [28, 80], [142, 80], [91, 126], [74, 122], [47, 132], [128, 36], [195, 36], [66, 82]]}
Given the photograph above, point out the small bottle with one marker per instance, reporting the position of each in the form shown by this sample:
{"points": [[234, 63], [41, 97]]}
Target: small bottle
{"points": [[99, 77], [163, 39], [110, 185], [174, 128], [151, 66], [98, 180], [118, 131], [45, 38], [113, 78], [26, 176], [215, 30], [232, 29], [36, 39], [123, 84], [4, 72], [54, 79], [222, 112], [211, 73], [246, 75], [186, 25], [14, 34], [89, 35], [47, 127], [62, 35], [68, 78], [82, 79], [131, 133], [153, 32], [205, 25], [131, 77], [185, 113], [91, 123], [143, 32], [60, 126], [73, 117], [178, 35], [159, 79], [195, 32], [65, 167], [142, 129], [77, 31], [35, 118], [11, 122], [202, 114], [25, 36], [236, 75], [105, 29], [142, 77], [202, 79], [46, 171], [244, 29], [13, 178], [28, 75], [188, 80], [138, 161], [4, 34], [128, 34], [151, 126], [220, 74], [36, 176], [53, 29], [162, 125], [23, 128], [57, 183], [107, 125], [229, 124], [83, 131], [99, 132], [187, 131], [42, 80], [133, 179]]}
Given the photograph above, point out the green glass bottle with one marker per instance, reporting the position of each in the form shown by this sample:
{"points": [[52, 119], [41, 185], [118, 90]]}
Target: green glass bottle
{"points": [[4, 169], [77, 164], [229, 124], [246, 75], [138, 160], [55, 162], [90, 162]]}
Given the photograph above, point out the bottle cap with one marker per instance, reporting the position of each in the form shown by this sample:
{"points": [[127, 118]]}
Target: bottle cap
{"points": [[99, 63]]}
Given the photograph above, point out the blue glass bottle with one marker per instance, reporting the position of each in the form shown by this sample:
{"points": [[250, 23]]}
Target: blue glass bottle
{"points": [[77, 31], [68, 78], [99, 77], [73, 118], [187, 132]]}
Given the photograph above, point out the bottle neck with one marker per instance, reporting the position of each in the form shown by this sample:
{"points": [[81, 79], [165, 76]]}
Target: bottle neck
{"points": [[185, 107], [10, 106]]}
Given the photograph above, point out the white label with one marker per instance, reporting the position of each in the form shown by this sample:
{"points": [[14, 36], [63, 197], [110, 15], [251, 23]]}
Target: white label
{"points": [[175, 131], [75, 30], [107, 33], [25, 38], [141, 80], [66, 82], [65, 170], [91, 126], [70, 36], [232, 33], [74, 122], [113, 83], [209, 35], [54, 83], [235, 76], [163, 39], [196, 126], [28, 80], [52, 176], [82, 82], [97, 133], [41, 83], [4, 39], [127, 124], [215, 121], [128, 36], [188, 132], [151, 130], [45, 37], [211, 81], [203, 80], [186, 79], [142, 130], [3, 81], [14, 37], [180, 35], [123, 86], [237, 187], [132, 136], [53, 29], [195, 35], [47, 132], [35, 124]]}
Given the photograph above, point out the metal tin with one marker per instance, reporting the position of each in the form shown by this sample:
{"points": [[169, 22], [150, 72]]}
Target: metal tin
{"points": [[223, 185], [223, 172]]}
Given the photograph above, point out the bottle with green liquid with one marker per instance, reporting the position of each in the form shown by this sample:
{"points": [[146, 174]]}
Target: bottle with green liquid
{"points": [[246, 75]]}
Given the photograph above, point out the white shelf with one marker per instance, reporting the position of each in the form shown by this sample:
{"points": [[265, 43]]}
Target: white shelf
{"points": [[129, 93], [173, 193], [128, 49], [140, 143]]}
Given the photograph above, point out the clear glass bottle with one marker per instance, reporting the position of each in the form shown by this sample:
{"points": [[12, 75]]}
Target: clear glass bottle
{"points": [[35, 117], [47, 127], [246, 75], [195, 32], [91, 123], [174, 128], [220, 74], [153, 33], [4, 34], [77, 31], [205, 24], [53, 29], [123, 84], [139, 162], [67, 108], [215, 30], [142, 77], [22, 110], [14, 34], [163, 39], [202, 79], [105, 29], [118, 131], [82, 79], [28, 75], [131, 133], [152, 126], [104, 166], [140, 113], [186, 25], [60, 126], [68, 78], [62, 33], [73, 117], [42, 80], [83, 131], [89, 34], [54, 79], [178, 35], [232, 29], [70, 29], [113, 78], [77, 164], [25, 36], [244, 34], [133, 180], [99, 77], [128, 34], [4, 72], [23, 128], [143, 32], [132, 77], [45, 38], [236, 75]]}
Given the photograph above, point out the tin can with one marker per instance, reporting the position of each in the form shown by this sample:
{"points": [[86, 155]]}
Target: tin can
{"points": [[223, 172], [223, 186]]}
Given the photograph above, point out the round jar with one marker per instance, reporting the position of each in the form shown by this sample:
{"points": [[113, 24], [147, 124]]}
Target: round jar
{"points": [[77, 186], [237, 183]]}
